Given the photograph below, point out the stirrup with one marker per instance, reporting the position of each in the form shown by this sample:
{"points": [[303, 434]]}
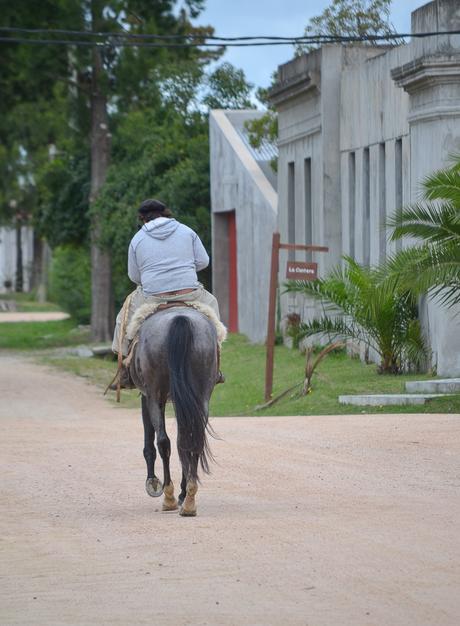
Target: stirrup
{"points": [[125, 379], [220, 378]]}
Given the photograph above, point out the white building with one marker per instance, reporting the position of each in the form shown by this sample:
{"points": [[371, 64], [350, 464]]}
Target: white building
{"points": [[8, 250], [359, 128], [244, 207]]}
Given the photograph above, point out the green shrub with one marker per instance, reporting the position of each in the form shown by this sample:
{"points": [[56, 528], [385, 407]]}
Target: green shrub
{"points": [[70, 281]]}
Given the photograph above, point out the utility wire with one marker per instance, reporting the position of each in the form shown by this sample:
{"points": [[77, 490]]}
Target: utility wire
{"points": [[154, 36], [128, 35], [123, 39]]}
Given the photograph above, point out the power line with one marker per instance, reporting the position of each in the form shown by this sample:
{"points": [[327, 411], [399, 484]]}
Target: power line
{"points": [[128, 35], [154, 36], [130, 40]]}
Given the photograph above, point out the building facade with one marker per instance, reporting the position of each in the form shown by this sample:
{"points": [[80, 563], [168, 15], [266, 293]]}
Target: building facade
{"points": [[359, 129], [8, 252], [244, 210]]}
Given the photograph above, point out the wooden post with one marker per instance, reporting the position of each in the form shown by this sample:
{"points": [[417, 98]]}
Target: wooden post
{"points": [[276, 247], [272, 316]]}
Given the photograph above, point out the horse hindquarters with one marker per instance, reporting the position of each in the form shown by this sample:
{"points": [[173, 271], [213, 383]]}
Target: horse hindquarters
{"points": [[189, 397]]}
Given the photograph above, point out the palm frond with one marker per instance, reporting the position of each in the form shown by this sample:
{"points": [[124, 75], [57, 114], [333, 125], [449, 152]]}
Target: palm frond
{"points": [[340, 329], [443, 185], [426, 269], [415, 346], [378, 308], [428, 222]]}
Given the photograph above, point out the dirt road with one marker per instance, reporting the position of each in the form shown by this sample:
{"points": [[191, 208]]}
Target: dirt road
{"points": [[45, 316], [318, 521]]}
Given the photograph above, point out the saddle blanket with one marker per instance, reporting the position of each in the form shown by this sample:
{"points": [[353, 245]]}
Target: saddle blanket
{"points": [[148, 309]]}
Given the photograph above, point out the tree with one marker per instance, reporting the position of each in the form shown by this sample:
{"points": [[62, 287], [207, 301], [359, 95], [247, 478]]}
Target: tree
{"points": [[162, 151], [228, 89], [350, 18], [371, 310], [138, 17], [433, 265], [101, 85], [30, 117]]}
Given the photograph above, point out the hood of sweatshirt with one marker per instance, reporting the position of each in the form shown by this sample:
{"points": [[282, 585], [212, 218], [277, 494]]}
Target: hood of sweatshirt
{"points": [[161, 227]]}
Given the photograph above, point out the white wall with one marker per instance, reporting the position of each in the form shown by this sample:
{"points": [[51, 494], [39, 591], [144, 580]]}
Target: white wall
{"points": [[8, 256], [239, 184], [397, 109]]}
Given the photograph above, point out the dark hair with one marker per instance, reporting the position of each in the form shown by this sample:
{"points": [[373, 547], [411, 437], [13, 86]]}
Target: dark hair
{"points": [[150, 209]]}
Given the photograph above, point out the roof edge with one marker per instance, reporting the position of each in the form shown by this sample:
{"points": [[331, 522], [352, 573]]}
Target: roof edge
{"points": [[251, 165]]}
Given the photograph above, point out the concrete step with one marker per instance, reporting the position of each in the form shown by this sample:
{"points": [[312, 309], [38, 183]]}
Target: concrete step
{"points": [[387, 399], [438, 385]]}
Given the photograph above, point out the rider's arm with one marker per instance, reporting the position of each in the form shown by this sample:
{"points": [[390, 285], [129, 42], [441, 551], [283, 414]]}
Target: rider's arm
{"points": [[133, 270], [201, 256]]}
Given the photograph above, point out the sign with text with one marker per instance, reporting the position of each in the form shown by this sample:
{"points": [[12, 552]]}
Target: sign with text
{"points": [[296, 270]]}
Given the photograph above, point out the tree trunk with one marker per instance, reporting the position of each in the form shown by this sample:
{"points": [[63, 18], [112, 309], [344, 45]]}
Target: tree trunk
{"points": [[102, 313], [39, 278], [19, 286], [37, 264]]}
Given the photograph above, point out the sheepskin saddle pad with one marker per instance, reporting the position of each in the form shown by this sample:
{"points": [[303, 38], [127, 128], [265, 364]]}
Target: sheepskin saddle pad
{"points": [[148, 309]]}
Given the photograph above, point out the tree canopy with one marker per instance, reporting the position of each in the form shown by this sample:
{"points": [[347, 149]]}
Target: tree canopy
{"points": [[156, 103], [352, 18]]}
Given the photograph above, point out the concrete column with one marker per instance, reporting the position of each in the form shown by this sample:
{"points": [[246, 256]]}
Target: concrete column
{"points": [[433, 85]]}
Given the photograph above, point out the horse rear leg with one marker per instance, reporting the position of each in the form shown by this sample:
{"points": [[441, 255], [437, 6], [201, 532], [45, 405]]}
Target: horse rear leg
{"points": [[183, 489], [164, 447], [153, 484], [157, 415], [188, 508]]}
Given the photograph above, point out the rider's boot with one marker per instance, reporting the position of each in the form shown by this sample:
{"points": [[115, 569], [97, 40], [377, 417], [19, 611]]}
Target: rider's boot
{"points": [[126, 381], [220, 378]]}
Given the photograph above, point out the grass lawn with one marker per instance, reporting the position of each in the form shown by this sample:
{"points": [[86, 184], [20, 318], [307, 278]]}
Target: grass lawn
{"points": [[26, 304], [40, 335], [244, 367]]}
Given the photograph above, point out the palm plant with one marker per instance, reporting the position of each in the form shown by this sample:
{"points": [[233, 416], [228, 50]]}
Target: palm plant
{"points": [[433, 265], [371, 310]]}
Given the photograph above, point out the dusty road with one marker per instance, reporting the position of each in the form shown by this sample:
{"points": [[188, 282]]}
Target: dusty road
{"points": [[46, 316], [318, 521]]}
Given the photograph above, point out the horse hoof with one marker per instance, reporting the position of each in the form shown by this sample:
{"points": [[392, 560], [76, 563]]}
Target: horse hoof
{"points": [[154, 487], [187, 512], [170, 506]]}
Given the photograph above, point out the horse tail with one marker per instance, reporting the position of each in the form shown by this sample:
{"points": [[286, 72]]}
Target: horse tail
{"points": [[190, 409]]}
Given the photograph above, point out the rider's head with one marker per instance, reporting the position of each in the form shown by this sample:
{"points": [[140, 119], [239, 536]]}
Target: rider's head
{"points": [[151, 209]]}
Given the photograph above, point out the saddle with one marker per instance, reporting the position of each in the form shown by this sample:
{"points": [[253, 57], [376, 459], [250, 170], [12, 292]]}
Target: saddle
{"points": [[122, 375]]}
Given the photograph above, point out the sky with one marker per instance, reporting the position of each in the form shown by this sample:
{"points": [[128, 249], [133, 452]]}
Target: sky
{"points": [[285, 18]]}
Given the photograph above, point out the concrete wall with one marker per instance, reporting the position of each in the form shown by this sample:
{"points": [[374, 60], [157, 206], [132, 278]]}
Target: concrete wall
{"points": [[239, 184], [8, 256], [374, 121], [307, 100]]}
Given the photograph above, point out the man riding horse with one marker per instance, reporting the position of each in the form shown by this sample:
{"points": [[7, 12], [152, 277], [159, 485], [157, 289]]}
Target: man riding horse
{"points": [[163, 260]]}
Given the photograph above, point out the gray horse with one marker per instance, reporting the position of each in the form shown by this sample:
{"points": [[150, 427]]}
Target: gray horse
{"points": [[176, 359]]}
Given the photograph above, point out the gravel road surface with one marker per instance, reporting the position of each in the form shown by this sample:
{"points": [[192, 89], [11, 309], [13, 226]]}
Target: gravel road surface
{"points": [[312, 521]]}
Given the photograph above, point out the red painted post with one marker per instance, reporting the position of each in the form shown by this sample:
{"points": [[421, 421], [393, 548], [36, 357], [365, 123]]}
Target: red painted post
{"points": [[233, 274], [272, 316]]}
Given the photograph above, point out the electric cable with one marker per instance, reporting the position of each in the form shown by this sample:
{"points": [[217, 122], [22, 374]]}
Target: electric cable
{"points": [[191, 40]]}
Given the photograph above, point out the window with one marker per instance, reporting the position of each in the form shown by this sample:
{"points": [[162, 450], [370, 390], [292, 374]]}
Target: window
{"points": [[398, 183], [351, 201], [366, 209], [382, 213], [291, 208], [308, 208]]}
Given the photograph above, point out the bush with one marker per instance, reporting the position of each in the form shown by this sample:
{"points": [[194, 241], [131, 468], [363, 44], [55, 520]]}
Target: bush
{"points": [[70, 281], [374, 312]]}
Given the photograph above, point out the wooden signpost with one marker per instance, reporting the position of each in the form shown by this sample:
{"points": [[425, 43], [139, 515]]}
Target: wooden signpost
{"points": [[296, 270]]}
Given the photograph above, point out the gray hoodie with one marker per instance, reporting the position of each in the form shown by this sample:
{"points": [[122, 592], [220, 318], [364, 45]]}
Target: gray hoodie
{"points": [[165, 255]]}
